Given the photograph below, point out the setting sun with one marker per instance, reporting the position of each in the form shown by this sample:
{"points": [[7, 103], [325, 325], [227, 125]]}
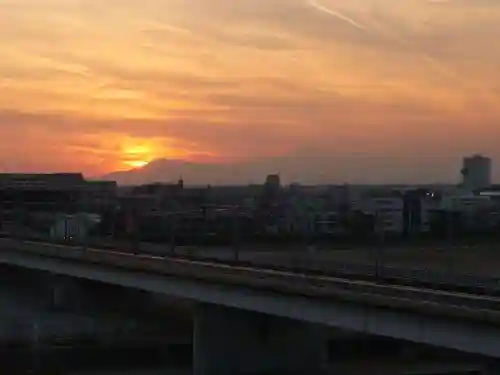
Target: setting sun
{"points": [[138, 155], [137, 163]]}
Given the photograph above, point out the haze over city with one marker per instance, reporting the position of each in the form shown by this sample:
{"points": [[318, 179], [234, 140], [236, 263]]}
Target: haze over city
{"points": [[331, 91]]}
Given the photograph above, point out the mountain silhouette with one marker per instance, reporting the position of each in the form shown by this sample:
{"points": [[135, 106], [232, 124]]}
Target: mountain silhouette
{"points": [[169, 170], [236, 173], [298, 168]]}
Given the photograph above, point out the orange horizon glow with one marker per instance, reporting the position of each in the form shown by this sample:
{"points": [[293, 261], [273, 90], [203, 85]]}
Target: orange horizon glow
{"points": [[89, 86]]}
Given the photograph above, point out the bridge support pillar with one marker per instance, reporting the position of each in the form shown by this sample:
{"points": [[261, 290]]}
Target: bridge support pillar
{"points": [[229, 341], [63, 293]]}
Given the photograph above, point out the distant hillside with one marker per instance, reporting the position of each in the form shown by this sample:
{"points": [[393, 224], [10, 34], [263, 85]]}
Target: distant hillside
{"points": [[306, 170], [165, 170]]}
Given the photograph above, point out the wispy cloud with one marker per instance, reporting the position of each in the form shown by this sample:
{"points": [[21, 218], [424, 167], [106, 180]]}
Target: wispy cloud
{"points": [[246, 77]]}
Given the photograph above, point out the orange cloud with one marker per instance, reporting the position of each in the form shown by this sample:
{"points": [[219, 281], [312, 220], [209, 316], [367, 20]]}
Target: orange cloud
{"points": [[116, 87]]}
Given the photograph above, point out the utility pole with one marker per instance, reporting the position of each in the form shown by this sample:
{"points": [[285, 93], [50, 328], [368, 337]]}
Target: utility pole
{"points": [[20, 221], [450, 224], [236, 230], [173, 229], [381, 254], [134, 231], [113, 223], [379, 233], [374, 250], [137, 236], [16, 220]]}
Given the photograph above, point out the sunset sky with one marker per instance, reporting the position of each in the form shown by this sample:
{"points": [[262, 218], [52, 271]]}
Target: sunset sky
{"points": [[98, 86]]}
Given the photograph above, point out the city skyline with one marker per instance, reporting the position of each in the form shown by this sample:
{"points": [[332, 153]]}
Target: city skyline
{"points": [[304, 170], [377, 87]]}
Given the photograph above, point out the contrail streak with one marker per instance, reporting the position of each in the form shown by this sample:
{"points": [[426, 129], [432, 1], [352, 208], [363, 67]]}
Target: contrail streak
{"points": [[331, 12], [436, 64]]}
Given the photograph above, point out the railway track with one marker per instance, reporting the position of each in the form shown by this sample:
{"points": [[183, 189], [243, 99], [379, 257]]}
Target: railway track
{"points": [[478, 306], [383, 273]]}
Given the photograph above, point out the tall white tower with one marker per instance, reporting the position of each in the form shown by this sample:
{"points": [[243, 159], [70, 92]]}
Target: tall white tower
{"points": [[476, 172]]}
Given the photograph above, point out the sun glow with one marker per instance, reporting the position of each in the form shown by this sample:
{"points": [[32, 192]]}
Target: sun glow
{"points": [[137, 163], [138, 156]]}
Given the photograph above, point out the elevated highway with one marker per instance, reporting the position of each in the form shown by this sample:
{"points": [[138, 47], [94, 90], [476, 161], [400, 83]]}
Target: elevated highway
{"points": [[231, 296]]}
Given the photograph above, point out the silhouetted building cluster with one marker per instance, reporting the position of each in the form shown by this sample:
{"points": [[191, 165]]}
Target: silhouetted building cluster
{"points": [[52, 203], [36, 201], [272, 212]]}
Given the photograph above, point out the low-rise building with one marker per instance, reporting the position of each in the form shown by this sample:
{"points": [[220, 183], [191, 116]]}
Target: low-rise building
{"points": [[387, 211], [477, 212], [40, 192], [99, 196], [73, 228], [329, 224]]}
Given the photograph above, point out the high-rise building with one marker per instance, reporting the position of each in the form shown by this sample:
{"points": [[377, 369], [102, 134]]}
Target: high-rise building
{"points": [[476, 172], [273, 182]]}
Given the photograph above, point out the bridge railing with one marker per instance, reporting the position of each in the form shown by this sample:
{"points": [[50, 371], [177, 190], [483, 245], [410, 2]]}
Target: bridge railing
{"points": [[485, 308], [307, 263]]}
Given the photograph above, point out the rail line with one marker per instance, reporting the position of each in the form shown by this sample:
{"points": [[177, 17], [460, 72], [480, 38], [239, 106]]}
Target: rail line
{"points": [[369, 293], [383, 273]]}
